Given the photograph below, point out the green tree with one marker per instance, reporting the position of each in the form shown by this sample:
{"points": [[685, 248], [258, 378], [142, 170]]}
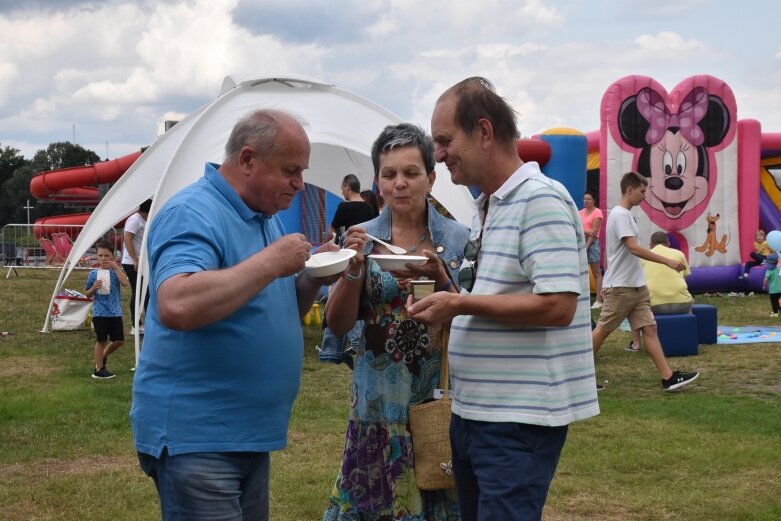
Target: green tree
{"points": [[15, 190], [63, 155], [10, 160]]}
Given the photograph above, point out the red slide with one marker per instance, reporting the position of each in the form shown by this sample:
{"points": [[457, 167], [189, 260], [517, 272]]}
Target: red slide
{"points": [[76, 185], [68, 183]]}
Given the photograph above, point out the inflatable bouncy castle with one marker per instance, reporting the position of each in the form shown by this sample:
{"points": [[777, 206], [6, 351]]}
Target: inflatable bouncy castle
{"points": [[703, 168]]}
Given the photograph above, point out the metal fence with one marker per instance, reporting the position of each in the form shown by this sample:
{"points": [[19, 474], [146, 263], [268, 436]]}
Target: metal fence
{"points": [[46, 245]]}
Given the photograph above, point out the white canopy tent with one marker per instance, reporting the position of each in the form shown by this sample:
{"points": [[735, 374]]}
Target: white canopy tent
{"points": [[341, 127]]}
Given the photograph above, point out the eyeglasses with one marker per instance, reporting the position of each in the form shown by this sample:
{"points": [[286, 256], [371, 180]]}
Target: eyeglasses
{"points": [[468, 274]]}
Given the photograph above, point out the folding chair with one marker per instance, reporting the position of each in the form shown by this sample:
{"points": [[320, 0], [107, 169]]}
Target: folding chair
{"points": [[63, 246], [52, 256]]}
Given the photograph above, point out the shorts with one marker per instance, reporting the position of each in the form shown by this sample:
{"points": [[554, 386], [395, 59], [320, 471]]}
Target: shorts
{"points": [[593, 254], [109, 328], [672, 309], [619, 303]]}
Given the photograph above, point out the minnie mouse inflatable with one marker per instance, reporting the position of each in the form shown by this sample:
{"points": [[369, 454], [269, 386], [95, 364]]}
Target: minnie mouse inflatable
{"points": [[672, 146]]}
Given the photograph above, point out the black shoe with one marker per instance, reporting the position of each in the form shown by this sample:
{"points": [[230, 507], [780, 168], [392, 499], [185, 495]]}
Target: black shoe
{"points": [[600, 387], [102, 374], [678, 380], [631, 347]]}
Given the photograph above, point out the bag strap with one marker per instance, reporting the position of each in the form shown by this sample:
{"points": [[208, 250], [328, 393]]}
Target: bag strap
{"points": [[444, 372]]}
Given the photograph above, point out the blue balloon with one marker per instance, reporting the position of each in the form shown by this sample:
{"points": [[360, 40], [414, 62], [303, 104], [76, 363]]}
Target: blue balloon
{"points": [[774, 240]]}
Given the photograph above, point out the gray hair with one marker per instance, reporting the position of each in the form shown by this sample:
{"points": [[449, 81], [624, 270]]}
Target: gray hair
{"points": [[259, 129], [403, 135]]}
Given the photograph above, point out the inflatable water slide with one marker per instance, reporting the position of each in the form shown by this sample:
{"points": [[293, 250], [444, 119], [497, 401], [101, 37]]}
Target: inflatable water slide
{"points": [[76, 185]]}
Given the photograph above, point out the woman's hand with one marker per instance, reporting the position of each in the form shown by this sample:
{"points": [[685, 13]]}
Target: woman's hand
{"points": [[355, 239], [432, 269]]}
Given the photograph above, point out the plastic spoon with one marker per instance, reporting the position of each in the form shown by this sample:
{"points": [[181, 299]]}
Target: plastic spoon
{"points": [[391, 248]]}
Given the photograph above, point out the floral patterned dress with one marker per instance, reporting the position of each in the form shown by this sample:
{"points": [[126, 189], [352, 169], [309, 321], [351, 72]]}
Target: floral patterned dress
{"points": [[397, 366]]}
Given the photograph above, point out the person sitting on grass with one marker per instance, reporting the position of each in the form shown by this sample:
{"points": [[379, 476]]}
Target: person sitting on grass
{"points": [[106, 307]]}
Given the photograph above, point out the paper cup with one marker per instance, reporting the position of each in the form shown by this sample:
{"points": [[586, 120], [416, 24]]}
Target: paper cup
{"points": [[105, 277], [422, 288]]}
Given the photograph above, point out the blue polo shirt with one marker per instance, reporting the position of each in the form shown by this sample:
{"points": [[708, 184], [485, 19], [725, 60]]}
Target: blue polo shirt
{"points": [[228, 386]]}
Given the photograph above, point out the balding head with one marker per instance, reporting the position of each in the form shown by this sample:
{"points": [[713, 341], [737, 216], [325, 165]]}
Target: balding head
{"points": [[260, 130], [476, 99]]}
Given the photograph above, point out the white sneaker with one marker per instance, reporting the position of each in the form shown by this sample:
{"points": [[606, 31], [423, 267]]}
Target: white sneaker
{"points": [[132, 331], [774, 314], [597, 304]]}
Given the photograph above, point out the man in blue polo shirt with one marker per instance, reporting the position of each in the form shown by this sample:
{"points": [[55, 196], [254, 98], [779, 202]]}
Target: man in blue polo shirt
{"points": [[222, 357]]}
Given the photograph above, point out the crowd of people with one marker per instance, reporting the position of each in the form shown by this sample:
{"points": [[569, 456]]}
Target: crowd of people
{"points": [[212, 398]]}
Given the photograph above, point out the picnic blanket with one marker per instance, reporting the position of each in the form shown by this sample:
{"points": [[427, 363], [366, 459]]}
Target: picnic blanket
{"points": [[748, 334]]}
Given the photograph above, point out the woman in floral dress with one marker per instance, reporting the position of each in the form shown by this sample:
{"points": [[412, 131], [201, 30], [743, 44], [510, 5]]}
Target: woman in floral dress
{"points": [[397, 363]]}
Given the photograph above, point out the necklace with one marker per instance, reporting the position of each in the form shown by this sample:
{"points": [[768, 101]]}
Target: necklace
{"points": [[422, 238]]}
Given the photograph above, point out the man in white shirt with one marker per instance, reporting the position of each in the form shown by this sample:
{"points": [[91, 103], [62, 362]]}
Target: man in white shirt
{"points": [[624, 288], [131, 247]]}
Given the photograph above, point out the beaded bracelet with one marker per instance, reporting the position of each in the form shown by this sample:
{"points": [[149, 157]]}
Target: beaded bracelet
{"points": [[353, 278]]}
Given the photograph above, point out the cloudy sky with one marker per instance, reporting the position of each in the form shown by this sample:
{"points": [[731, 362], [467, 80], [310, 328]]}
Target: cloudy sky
{"points": [[114, 70]]}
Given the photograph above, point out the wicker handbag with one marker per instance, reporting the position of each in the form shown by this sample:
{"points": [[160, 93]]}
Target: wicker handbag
{"points": [[429, 425]]}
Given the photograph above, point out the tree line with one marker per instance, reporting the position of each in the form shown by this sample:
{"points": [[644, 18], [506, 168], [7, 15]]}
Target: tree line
{"points": [[16, 171]]}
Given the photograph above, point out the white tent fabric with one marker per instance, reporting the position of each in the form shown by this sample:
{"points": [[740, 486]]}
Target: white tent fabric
{"points": [[341, 127]]}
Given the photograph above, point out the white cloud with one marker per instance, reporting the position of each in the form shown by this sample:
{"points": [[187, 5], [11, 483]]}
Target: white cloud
{"points": [[669, 43], [382, 28], [118, 69], [168, 116]]}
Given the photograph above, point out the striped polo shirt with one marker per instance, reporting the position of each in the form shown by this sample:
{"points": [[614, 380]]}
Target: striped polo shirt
{"points": [[532, 243]]}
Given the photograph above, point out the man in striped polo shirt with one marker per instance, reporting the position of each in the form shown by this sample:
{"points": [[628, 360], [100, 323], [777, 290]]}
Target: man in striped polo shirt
{"points": [[520, 344]]}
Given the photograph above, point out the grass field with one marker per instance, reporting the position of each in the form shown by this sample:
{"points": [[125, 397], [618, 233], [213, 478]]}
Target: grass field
{"points": [[711, 452]]}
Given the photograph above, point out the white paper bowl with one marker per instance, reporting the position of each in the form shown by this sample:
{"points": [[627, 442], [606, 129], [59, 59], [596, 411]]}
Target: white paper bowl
{"points": [[397, 262], [328, 263]]}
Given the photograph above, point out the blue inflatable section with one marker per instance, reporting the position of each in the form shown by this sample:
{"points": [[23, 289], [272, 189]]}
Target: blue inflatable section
{"points": [[567, 163]]}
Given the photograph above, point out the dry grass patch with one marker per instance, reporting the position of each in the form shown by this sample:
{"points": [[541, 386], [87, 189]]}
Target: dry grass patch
{"points": [[27, 366], [58, 468]]}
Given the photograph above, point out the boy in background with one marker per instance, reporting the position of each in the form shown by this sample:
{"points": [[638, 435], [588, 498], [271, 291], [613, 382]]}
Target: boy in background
{"points": [[772, 282], [103, 285], [625, 292]]}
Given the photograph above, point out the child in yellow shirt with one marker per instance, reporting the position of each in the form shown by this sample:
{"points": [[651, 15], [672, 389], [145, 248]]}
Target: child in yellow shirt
{"points": [[758, 256]]}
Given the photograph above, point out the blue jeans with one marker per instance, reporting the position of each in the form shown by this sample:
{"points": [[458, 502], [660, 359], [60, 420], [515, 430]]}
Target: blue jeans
{"points": [[334, 346], [210, 486], [503, 470]]}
